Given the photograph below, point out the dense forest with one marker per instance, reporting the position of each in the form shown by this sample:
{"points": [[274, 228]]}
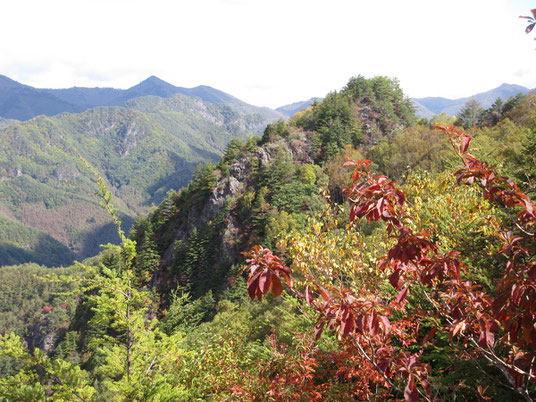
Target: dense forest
{"points": [[150, 145], [352, 252]]}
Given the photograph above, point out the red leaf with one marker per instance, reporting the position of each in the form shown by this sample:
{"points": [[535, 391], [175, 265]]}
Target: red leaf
{"points": [[353, 211], [426, 385], [486, 338], [288, 279], [529, 28], [318, 330], [374, 325], [252, 287], [458, 326], [465, 143], [264, 281], [355, 176], [411, 393], [347, 323], [429, 335], [386, 324], [324, 294], [308, 295], [394, 278], [481, 392], [528, 206], [253, 268], [402, 295], [277, 287]]}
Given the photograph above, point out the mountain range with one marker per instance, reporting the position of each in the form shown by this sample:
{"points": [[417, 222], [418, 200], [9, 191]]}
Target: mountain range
{"points": [[428, 107], [23, 102]]}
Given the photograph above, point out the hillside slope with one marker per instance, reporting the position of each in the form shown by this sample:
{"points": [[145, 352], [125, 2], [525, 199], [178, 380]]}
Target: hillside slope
{"points": [[263, 188], [143, 150]]}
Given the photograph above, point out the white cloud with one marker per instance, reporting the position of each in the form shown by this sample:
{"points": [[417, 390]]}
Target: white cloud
{"points": [[269, 52]]}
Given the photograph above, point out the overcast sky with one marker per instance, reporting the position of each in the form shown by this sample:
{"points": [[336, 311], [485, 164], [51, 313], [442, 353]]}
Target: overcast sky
{"points": [[269, 52]]}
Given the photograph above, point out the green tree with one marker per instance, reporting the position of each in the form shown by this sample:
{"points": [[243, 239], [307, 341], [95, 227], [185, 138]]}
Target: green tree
{"points": [[471, 114], [36, 376], [274, 131], [137, 355], [513, 102], [386, 98], [494, 114], [203, 181], [442, 119], [147, 258]]}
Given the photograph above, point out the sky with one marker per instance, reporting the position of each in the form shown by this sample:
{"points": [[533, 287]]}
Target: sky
{"points": [[269, 52]]}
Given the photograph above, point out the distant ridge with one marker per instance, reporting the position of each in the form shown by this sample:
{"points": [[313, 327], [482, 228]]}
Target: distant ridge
{"points": [[428, 107], [23, 102], [293, 108]]}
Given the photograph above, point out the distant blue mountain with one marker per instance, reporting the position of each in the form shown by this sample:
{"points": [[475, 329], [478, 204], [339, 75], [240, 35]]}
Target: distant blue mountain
{"points": [[293, 108], [428, 107], [23, 102]]}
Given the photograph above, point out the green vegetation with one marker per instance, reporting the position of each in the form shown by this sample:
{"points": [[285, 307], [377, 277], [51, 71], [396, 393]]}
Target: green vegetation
{"points": [[166, 313], [144, 150]]}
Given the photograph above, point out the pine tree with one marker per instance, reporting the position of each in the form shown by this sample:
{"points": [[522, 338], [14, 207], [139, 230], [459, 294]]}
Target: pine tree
{"points": [[471, 114]]}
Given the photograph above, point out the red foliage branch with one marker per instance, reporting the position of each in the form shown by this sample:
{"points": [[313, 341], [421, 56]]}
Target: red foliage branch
{"points": [[511, 313], [531, 21], [265, 272], [501, 327]]}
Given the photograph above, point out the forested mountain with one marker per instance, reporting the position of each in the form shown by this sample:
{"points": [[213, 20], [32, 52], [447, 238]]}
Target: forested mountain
{"points": [[416, 289], [427, 107], [144, 149], [22, 102]]}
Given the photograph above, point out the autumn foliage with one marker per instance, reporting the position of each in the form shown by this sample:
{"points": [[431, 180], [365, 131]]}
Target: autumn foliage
{"points": [[531, 21], [386, 333]]}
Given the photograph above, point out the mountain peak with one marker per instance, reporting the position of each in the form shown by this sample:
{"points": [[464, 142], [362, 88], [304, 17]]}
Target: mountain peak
{"points": [[153, 86], [505, 86], [153, 79]]}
